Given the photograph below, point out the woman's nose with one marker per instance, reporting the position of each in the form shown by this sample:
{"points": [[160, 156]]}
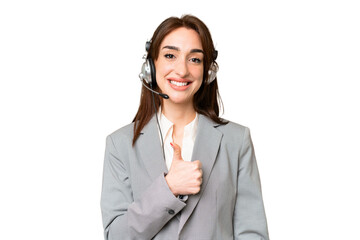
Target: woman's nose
{"points": [[181, 68]]}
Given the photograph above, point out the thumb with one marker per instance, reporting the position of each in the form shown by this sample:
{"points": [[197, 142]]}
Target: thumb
{"points": [[177, 151]]}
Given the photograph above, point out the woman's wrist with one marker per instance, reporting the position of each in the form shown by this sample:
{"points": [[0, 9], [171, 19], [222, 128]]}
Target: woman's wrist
{"points": [[168, 181]]}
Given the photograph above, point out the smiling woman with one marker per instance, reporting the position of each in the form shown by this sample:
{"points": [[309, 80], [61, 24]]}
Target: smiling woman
{"points": [[198, 40], [179, 171], [179, 67]]}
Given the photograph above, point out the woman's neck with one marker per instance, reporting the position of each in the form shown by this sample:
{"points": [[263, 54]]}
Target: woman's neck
{"points": [[179, 114]]}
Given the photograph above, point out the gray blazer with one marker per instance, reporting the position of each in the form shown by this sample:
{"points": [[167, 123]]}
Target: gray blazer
{"points": [[137, 203]]}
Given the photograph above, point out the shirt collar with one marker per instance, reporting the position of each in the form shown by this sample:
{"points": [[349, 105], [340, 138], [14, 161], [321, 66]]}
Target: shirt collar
{"points": [[189, 130]]}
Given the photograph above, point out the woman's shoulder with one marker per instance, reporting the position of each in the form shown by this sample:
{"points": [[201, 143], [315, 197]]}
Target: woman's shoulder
{"points": [[232, 129], [234, 125], [228, 125], [125, 132]]}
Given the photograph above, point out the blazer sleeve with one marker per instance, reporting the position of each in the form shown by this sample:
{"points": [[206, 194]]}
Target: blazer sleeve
{"points": [[249, 214], [124, 218]]}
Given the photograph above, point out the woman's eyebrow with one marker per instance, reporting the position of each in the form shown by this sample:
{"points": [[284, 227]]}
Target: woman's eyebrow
{"points": [[197, 50], [178, 49], [172, 48]]}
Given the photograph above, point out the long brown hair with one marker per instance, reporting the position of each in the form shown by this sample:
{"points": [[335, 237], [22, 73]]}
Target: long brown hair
{"points": [[207, 99]]}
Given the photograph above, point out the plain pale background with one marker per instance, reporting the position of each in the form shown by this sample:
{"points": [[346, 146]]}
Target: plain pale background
{"points": [[289, 70]]}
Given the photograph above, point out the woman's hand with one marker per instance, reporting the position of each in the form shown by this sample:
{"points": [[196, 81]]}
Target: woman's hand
{"points": [[184, 178]]}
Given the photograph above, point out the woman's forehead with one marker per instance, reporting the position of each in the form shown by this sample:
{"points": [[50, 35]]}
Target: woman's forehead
{"points": [[182, 39]]}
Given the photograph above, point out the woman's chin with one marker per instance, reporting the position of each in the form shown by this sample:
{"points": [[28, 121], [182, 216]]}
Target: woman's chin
{"points": [[179, 99]]}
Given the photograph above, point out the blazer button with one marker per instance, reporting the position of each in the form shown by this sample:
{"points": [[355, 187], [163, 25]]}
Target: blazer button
{"points": [[171, 212]]}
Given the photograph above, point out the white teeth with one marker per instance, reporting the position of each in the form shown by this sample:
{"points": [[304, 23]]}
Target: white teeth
{"points": [[179, 83]]}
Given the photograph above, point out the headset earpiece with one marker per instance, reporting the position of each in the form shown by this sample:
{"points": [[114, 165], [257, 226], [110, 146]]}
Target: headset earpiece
{"points": [[148, 73], [152, 71], [214, 68]]}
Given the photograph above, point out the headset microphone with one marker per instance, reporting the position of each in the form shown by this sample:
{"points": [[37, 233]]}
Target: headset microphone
{"points": [[160, 94]]}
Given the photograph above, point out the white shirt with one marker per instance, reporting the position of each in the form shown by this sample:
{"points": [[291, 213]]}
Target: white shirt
{"points": [[190, 131]]}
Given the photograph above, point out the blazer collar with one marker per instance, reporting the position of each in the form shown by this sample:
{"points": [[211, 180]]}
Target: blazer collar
{"points": [[206, 147]]}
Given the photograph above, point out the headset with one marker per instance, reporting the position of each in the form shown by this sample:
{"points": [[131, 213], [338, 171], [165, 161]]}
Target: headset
{"points": [[148, 72]]}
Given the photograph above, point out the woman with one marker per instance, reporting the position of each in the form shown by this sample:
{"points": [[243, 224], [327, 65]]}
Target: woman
{"points": [[179, 171]]}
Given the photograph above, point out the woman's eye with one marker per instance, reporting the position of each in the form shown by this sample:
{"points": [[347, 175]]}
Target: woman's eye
{"points": [[195, 60], [170, 56]]}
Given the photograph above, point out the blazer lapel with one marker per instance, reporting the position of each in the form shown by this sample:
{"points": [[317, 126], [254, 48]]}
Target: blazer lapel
{"points": [[205, 149], [150, 150]]}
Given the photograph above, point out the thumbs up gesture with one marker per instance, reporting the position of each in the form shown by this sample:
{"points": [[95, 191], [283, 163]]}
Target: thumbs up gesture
{"points": [[184, 178]]}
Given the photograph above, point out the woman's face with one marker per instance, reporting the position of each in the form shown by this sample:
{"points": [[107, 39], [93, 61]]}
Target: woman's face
{"points": [[179, 67]]}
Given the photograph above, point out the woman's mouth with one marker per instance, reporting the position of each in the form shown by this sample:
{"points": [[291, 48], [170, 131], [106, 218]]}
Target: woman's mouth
{"points": [[179, 84]]}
